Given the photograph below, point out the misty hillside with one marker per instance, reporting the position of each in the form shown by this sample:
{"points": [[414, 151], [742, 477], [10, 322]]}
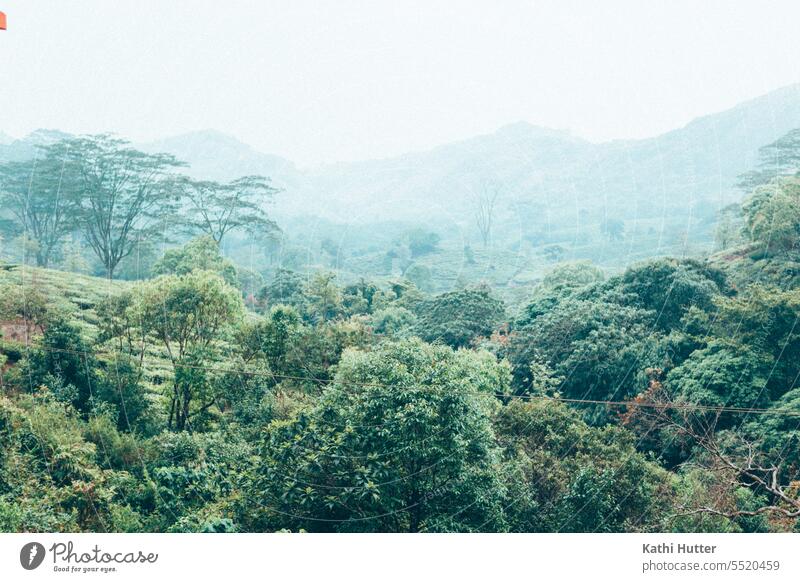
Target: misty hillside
{"points": [[214, 155], [535, 170], [551, 188], [673, 172], [21, 149]]}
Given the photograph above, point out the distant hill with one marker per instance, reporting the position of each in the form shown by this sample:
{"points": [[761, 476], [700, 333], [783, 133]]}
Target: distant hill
{"points": [[214, 155], [542, 175], [693, 166], [24, 148]]}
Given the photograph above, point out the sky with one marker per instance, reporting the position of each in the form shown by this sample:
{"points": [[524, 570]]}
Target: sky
{"points": [[326, 81]]}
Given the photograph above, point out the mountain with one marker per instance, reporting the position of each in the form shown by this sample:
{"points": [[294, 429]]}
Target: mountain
{"points": [[690, 166], [538, 174], [697, 162], [534, 169], [214, 155], [439, 181], [24, 148]]}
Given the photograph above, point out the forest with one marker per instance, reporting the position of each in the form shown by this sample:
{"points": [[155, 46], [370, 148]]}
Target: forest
{"points": [[157, 378]]}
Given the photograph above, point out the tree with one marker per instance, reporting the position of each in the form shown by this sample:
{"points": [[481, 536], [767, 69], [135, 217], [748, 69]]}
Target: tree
{"points": [[28, 305], [459, 317], [361, 297], [119, 387], [65, 364], [561, 282], [188, 314], [772, 215], [422, 242], [192, 475], [393, 320], [777, 159], [217, 209], [554, 253], [729, 227], [285, 287], [719, 375], [126, 195], [484, 201], [400, 442], [41, 193], [614, 229], [271, 338], [57, 485], [324, 297], [573, 275], [201, 253], [598, 348], [571, 477], [398, 258], [747, 480], [332, 249], [667, 287], [763, 322], [420, 275]]}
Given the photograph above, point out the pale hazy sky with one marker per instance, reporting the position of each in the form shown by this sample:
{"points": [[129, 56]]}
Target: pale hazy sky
{"points": [[341, 80]]}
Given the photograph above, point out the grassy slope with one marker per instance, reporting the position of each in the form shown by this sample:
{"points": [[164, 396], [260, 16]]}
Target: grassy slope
{"points": [[71, 292], [77, 296]]}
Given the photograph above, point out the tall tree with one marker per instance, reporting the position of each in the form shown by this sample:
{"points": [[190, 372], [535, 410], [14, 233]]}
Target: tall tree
{"points": [[400, 442], [422, 241], [40, 193], [188, 315], [772, 215], [126, 195], [485, 200], [217, 209], [614, 229], [199, 254], [729, 227], [460, 317]]}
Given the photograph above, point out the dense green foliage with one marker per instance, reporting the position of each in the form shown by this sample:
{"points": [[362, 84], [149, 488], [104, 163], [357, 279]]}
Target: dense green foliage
{"points": [[213, 398], [460, 317]]}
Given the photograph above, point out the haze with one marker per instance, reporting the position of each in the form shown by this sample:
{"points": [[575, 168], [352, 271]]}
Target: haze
{"points": [[321, 82]]}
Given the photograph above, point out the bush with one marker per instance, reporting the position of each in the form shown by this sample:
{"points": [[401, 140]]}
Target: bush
{"points": [[460, 317]]}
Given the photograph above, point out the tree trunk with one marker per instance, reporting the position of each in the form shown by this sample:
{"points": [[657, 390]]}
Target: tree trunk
{"points": [[42, 259], [172, 406], [415, 512]]}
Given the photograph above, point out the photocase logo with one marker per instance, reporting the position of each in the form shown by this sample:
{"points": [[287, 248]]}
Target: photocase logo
{"points": [[31, 555]]}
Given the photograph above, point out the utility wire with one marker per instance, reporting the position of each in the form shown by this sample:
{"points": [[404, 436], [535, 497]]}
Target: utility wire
{"points": [[530, 397]]}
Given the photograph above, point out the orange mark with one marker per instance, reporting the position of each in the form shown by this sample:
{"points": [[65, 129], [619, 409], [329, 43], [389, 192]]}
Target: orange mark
{"points": [[2, 20]]}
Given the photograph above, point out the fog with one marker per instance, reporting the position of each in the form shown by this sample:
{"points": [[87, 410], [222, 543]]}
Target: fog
{"points": [[320, 82]]}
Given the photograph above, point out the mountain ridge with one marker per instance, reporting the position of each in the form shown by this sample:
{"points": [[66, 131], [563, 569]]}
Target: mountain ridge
{"points": [[672, 171]]}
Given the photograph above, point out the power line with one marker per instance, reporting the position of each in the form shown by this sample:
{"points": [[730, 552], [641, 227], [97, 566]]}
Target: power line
{"points": [[530, 397]]}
